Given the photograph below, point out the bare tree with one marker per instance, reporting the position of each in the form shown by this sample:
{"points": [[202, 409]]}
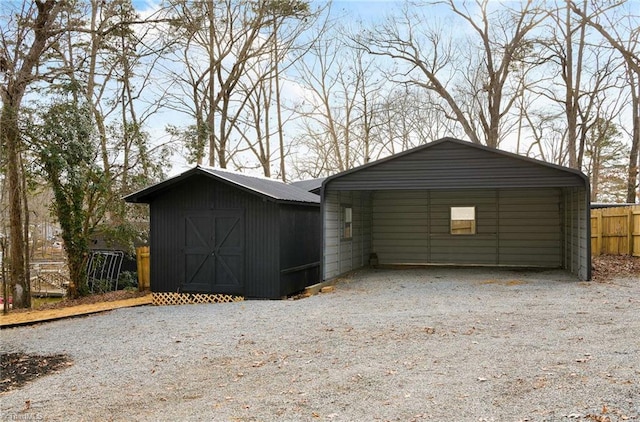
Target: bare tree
{"points": [[220, 40], [264, 118], [28, 34], [336, 112], [478, 96], [575, 73], [620, 26], [409, 116]]}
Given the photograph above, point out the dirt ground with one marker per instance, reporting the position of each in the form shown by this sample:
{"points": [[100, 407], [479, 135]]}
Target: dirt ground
{"points": [[608, 267], [19, 368]]}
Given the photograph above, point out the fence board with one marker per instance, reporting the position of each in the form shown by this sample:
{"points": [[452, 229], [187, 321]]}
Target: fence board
{"points": [[144, 268], [615, 231]]}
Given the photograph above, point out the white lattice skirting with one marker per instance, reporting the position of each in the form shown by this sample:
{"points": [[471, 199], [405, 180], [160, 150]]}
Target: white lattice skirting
{"points": [[192, 298]]}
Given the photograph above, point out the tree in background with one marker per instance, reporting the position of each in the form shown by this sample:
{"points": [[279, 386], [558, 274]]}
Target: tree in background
{"points": [[27, 34], [261, 123], [91, 47], [220, 42], [620, 27], [604, 164], [334, 81], [64, 140], [473, 77]]}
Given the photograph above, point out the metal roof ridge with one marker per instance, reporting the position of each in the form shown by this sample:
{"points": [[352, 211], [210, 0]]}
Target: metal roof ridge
{"points": [[220, 173]]}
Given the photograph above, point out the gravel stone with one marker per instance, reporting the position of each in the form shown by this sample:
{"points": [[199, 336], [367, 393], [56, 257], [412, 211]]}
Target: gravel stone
{"points": [[435, 344]]}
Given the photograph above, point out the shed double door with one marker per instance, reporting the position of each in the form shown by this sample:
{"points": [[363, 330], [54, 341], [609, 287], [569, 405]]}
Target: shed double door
{"points": [[213, 252]]}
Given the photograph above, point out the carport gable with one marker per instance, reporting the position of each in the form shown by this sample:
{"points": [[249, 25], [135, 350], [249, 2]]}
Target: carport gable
{"points": [[454, 164], [406, 209]]}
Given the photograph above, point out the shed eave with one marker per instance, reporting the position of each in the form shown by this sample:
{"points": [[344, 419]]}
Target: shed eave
{"points": [[146, 195]]}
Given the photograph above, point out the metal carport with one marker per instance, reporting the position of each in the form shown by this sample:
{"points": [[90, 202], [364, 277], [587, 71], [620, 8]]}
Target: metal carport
{"points": [[452, 202]]}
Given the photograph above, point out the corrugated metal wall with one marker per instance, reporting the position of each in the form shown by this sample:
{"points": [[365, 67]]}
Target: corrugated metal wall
{"points": [[480, 248], [261, 218], [401, 226], [341, 255], [514, 227], [530, 227], [577, 236]]}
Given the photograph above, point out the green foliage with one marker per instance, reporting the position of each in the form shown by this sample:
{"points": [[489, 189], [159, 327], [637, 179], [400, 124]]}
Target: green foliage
{"points": [[62, 137], [605, 154], [101, 286], [193, 138], [128, 280], [287, 8]]}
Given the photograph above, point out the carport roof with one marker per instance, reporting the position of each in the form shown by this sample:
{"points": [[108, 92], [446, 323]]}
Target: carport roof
{"points": [[450, 163], [271, 189]]}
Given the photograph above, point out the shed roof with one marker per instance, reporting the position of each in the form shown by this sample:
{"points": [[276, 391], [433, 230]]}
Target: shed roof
{"points": [[310, 184], [450, 163], [271, 189]]}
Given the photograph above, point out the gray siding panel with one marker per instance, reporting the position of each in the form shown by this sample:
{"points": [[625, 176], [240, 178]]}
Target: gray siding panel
{"points": [[514, 227], [341, 256], [331, 235], [454, 166], [400, 221], [530, 227], [576, 241], [463, 249]]}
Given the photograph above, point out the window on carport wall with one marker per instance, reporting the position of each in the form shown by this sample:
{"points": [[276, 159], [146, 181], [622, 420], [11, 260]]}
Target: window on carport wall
{"points": [[346, 222]]}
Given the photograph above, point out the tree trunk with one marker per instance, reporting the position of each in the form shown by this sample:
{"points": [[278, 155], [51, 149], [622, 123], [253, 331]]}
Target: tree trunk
{"points": [[276, 60], [17, 282], [16, 81], [26, 223]]}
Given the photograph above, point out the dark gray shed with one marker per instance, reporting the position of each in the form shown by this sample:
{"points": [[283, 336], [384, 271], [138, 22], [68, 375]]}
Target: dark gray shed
{"points": [[454, 202], [219, 232]]}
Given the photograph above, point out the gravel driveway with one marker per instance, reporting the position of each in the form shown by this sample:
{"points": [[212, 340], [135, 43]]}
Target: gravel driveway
{"points": [[429, 344]]}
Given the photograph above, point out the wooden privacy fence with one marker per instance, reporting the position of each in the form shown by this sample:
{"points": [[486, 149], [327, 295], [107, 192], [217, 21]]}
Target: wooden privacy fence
{"points": [[615, 231], [144, 266]]}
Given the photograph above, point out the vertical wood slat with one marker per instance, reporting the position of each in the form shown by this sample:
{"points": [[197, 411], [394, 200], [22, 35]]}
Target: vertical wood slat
{"points": [[599, 234], [635, 231], [630, 230], [144, 266], [616, 231]]}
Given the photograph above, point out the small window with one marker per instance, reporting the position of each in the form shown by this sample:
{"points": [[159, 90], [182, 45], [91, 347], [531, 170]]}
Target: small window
{"points": [[347, 222], [463, 220]]}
